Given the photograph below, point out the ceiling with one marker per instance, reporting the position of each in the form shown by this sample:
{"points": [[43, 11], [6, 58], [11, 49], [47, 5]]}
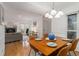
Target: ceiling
{"points": [[37, 7]]}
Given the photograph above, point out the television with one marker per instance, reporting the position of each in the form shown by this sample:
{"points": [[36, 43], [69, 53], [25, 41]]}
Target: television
{"points": [[10, 30]]}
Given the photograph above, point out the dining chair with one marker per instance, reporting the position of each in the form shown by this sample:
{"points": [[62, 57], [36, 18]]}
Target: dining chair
{"points": [[64, 51], [74, 45]]}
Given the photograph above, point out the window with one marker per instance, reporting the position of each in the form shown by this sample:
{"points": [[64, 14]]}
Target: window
{"points": [[72, 26]]}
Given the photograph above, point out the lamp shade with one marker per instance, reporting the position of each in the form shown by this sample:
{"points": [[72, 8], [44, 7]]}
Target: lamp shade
{"points": [[50, 17], [60, 13], [47, 15], [57, 15], [53, 12]]}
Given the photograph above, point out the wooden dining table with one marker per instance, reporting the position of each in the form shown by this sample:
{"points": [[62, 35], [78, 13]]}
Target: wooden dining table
{"points": [[41, 45]]}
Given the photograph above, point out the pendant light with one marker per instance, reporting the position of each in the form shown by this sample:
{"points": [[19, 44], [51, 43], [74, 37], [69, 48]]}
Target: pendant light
{"points": [[54, 13]]}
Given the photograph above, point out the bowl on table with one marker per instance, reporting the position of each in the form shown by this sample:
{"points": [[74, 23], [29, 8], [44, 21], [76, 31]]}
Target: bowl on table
{"points": [[52, 44]]}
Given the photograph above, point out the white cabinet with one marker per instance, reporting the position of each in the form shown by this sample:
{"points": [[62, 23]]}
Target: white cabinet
{"points": [[2, 40]]}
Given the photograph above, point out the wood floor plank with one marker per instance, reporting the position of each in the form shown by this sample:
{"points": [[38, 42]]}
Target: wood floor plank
{"points": [[16, 49]]}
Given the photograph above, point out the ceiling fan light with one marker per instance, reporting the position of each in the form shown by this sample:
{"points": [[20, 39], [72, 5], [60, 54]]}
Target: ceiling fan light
{"points": [[53, 12], [47, 15]]}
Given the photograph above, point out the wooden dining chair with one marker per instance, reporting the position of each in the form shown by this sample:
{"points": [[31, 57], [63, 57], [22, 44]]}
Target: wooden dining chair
{"points": [[74, 45], [64, 51]]}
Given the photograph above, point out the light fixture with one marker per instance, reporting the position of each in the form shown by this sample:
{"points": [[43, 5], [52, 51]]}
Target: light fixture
{"points": [[47, 15], [50, 16], [53, 13], [60, 13]]}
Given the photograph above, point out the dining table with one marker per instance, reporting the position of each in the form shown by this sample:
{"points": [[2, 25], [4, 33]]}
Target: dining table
{"points": [[41, 45]]}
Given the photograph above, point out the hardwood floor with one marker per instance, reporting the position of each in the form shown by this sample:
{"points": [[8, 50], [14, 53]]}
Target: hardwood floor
{"points": [[16, 49]]}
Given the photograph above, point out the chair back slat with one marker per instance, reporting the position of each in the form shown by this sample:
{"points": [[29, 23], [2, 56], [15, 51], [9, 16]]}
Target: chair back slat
{"points": [[63, 51], [74, 44]]}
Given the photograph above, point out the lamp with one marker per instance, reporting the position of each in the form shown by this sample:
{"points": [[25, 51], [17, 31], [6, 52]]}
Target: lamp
{"points": [[47, 15], [50, 16], [53, 13]]}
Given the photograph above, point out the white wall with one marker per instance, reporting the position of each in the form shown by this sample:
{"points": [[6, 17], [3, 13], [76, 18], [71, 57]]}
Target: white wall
{"points": [[46, 25], [59, 26]]}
